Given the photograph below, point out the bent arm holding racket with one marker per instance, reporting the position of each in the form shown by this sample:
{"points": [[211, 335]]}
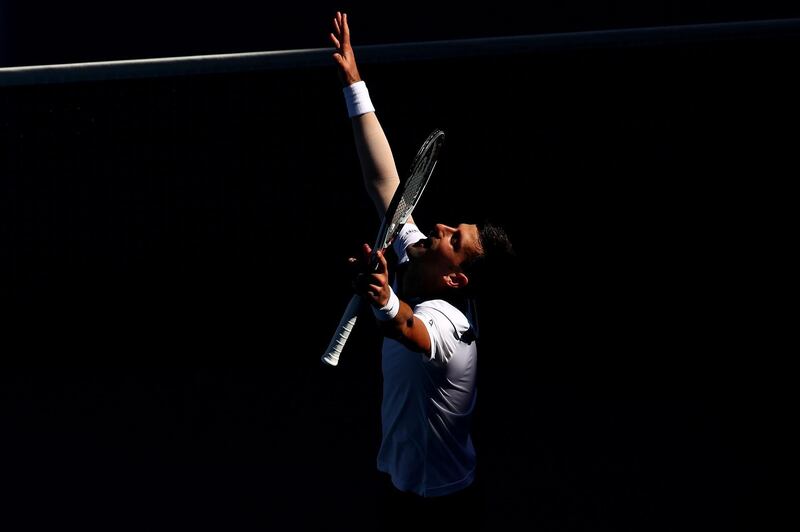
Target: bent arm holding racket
{"points": [[396, 316]]}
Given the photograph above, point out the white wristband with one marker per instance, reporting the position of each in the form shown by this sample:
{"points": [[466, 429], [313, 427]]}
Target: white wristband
{"points": [[357, 98], [391, 309]]}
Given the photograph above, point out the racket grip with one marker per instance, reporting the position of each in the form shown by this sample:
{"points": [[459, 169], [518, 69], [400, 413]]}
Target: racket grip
{"points": [[346, 324]]}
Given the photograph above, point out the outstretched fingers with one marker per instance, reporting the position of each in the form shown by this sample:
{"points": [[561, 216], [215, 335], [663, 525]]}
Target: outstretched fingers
{"points": [[343, 52], [338, 40]]}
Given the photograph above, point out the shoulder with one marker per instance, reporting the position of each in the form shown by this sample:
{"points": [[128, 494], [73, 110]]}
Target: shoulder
{"points": [[439, 311], [448, 328]]}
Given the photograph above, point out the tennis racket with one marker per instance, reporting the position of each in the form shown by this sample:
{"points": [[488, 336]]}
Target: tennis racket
{"points": [[403, 202]]}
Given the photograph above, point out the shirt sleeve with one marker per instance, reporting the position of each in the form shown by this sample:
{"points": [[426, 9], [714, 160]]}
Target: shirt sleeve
{"points": [[445, 324], [409, 234]]}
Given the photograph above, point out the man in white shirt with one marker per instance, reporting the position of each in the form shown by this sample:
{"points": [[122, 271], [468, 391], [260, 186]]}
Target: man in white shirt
{"points": [[429, 357]]}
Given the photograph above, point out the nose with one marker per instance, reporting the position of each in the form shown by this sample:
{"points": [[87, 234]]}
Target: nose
{"points": [[442, 230]]}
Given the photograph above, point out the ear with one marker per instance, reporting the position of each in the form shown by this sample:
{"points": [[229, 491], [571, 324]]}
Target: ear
{"points": [[456, 280]]}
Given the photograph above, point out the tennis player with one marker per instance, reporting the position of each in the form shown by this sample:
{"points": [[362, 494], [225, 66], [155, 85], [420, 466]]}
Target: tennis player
{"points": [[426, 314]]}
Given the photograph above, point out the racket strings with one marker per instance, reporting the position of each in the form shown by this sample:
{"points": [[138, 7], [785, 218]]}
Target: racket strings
{"points": [[417, 180], [421, 170]]}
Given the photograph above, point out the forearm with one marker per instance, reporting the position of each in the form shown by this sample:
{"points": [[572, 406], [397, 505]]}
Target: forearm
{"points": [[377, 162], [396, 317]]}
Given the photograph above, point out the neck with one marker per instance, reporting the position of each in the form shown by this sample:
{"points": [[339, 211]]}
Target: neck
{"points": [[412, 288]]}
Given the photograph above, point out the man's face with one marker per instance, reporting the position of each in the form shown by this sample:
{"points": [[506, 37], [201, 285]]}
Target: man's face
{"points": [[446, 247]]}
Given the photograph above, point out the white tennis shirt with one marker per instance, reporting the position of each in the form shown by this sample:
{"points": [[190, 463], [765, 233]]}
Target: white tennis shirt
{"points": [[428, 401]]}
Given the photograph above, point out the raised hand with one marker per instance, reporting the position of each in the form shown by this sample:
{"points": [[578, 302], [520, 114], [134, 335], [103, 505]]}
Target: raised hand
{"points": [[344, 57]]}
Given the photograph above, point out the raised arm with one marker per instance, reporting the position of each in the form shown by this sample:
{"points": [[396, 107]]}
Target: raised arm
{"points": [[374, 153]]}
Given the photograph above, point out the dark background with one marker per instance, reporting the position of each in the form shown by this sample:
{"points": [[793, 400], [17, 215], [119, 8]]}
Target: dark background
{"points": [[93, 30], [174, 250]]}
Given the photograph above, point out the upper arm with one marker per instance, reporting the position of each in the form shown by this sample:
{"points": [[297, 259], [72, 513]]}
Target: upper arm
{"points": [[414, 335]]}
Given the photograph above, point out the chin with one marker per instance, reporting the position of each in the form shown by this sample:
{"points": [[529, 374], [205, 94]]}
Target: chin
{"points": [[414, 253]]}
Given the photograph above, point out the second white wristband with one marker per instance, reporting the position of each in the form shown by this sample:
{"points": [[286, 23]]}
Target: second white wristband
{"points": [[390, 310]]}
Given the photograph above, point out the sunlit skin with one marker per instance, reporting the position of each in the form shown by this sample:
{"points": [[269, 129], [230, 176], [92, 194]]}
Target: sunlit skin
{"points": [[340, 37], [433, 268], [434, 265]]}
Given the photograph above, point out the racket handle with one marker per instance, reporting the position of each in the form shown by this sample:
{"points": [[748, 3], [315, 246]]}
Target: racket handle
{"points": [[346, 324]]}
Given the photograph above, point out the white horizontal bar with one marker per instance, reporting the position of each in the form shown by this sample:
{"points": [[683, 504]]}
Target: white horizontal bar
{"points": [[387, 53]]}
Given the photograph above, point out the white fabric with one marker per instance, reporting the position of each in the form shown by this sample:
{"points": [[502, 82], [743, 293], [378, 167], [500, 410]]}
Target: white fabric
{"points": [[356, 96], [409, 234], [390, 310], [428, 400]]}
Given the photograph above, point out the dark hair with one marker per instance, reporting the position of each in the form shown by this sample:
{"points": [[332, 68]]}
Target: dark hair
{"points": [[496, 258]]}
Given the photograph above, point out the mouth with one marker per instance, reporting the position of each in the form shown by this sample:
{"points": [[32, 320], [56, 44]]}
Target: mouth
{"points": [[424, 243]]}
